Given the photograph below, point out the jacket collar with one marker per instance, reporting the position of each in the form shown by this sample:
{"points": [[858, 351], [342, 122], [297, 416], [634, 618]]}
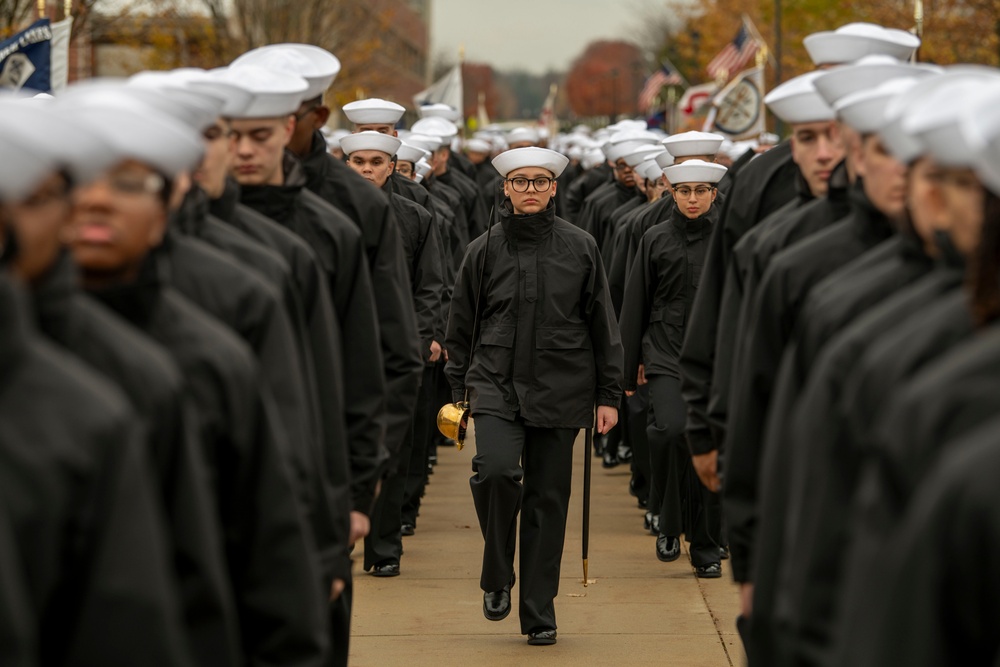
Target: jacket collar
{"points": [[277, 201], [527, 229]]}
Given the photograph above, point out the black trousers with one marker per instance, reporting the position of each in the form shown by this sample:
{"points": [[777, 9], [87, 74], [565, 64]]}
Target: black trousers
{"points": [[686, 506], [637, 409], [340, 626], [519, 468], [424, 428]]}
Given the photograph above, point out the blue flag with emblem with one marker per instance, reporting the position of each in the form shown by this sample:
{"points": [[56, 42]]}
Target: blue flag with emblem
{"points": [[26, 59]]}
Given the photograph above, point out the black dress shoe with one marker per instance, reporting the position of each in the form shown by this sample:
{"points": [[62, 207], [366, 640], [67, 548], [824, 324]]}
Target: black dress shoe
{"points": [[647, 521], [724, 553], [610, 460], [387, 569], [710, 571], [408, 529], [496, 605], [542, 638], [654, 525], [624, 453], [668, 549], [643, 503]]}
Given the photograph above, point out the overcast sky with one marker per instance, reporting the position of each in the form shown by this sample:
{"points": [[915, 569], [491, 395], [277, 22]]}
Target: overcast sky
{"points": [[536, 35]]}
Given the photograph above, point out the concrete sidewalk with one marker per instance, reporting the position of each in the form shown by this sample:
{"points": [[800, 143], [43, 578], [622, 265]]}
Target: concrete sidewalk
{"points": [[636, 611]]}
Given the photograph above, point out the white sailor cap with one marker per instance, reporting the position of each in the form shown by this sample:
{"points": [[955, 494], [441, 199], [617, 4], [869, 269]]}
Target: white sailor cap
{"points": [[687, 144], [523, 135], [436, 126], [857, 40], [936, 119], [190, 108], [70, 144], [649, 170], [140, 132], [624, 142], [695, 171], [865, 109], [410, 153], [22, 168], [235, 99], [664, 159], [797, 101], [274, 93], [592, 157], [478, 146], [439, 110], [531, 156], [334, 138], [574, 152], [423, 168], [981, 128], [370, 141], [425, 141], [198, 107], [628, 125], [643, 153], [374, 111], [865, 74], [317, 66]]}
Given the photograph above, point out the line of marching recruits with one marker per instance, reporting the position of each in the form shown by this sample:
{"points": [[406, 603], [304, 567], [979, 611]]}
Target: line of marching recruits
{"points": [[809, 355], [222, 348], [838, 366], [213, 337]]}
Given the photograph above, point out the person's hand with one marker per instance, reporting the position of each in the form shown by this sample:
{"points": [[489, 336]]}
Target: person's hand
{"points": [[446, 355], [707, 468], [336, 589], [607, 417], [642, 375], [435, 350], [746, 600], [360, 525]]}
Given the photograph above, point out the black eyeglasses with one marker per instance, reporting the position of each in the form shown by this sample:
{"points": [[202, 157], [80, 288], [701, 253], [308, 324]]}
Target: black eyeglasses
{"points": [[698, 192], [542, 183]]}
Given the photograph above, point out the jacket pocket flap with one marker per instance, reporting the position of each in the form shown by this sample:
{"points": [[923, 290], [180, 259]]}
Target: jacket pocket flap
{"points": [[562, 339], [671, 314], [500, 336]]}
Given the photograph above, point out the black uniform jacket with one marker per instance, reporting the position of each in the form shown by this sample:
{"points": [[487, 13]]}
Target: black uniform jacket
{"points": [[549, 347], [582, 187], [77, 487], [660, 291], [763, 186], [911, 346], [597, 215], [337, 416], [330, 512], [929, 609], [422, 246], [830, 307], [626, 240], [782, 292], [18, 621], [243, 301], [753, 251], [339, 247], [153, 384], [269, 550], [335, 183], [476, 210]]}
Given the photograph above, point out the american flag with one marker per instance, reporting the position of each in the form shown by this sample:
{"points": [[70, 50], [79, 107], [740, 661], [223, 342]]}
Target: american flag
{"points": [[735, 56], [656, 81]]}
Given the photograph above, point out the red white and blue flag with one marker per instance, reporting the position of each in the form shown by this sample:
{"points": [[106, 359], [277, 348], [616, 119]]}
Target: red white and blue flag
{"points": [[665, 76], [734, 56]]}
